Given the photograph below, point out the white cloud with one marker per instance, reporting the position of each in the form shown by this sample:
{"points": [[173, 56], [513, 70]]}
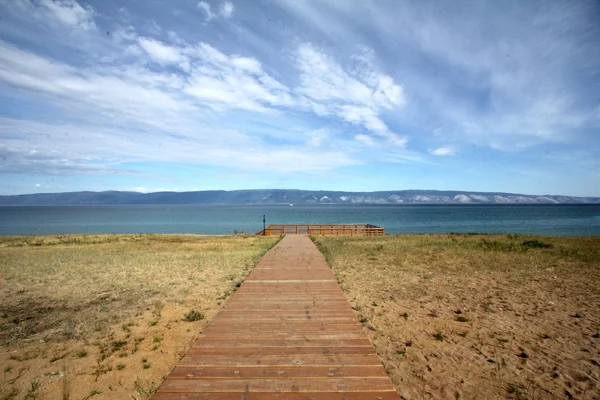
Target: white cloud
{"points": [[37, 185], [68, 13], [362, 115], [444, 151], [357, 98], [168, 116], [365, 140], [225, 82], [227, 9], [467, 76], [247, 64], [521, 80], [317, 137], [62, 15], [86, 149], [206, 7], [160, 52], [112, 94], [396, 140]]}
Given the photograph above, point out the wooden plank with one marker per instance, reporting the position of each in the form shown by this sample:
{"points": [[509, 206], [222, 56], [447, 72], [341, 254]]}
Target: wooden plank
{"points": [[308, 325], [288, 333], [332, 359], [205, 342], [181, 372], [250, 351], [361, 384]]}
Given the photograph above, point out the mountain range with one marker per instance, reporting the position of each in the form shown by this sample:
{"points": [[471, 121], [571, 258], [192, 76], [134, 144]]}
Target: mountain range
{"points": [[289, 196]]}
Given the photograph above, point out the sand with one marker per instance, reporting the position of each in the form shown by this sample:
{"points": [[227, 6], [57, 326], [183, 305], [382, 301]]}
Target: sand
{"points": [[478, 317]]}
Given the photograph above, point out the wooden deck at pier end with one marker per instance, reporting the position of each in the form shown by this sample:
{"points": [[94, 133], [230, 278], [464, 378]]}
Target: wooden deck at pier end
{"points": [[322, 230], [288, 333]]}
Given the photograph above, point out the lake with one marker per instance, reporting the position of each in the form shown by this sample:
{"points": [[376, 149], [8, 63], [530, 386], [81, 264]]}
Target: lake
{"points": [[557, 220]]}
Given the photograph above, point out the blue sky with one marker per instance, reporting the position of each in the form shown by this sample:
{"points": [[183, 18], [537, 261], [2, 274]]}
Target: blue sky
{"points": [[341, 95]]}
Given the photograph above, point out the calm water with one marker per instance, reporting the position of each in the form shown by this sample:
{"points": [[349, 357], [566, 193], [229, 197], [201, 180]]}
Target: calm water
{"points": [[568, 220]]}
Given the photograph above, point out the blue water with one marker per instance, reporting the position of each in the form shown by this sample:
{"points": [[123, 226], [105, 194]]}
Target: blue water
{"points": [[563, 220]]}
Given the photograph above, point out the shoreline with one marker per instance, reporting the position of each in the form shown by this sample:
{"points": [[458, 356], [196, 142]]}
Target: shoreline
{"points": [[203, 235]]}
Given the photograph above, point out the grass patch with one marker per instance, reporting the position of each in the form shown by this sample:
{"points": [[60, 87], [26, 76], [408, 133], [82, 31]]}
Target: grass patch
{"points": [[75, 287], [118, 345], [536, 244], [33, 388], [144, 389], [193, 315], [60, 295], [322, 248], [81, 354]]}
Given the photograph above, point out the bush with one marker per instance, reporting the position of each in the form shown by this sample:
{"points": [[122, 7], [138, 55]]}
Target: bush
{"points": [[194, 315], [532, 244]]}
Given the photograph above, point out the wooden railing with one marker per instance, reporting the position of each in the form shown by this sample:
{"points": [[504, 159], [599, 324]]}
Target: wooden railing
{"points": [[322, 230]]}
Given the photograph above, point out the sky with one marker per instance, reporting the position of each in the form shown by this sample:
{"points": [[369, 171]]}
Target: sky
{"points": [[180, 95]]}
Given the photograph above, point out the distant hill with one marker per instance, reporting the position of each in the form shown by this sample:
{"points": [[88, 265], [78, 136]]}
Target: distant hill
{"points": [[289, 196]]}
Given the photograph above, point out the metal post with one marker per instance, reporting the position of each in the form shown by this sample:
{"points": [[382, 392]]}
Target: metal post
{"points": [[264, 226]]}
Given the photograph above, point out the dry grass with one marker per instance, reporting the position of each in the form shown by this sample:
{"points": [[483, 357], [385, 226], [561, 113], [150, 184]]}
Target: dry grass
{"points": [[478, 316], [109, 315]]}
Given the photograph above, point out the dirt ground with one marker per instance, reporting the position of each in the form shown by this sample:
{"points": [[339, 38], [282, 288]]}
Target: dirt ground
{"points": [[478, 317], [108, 316]]}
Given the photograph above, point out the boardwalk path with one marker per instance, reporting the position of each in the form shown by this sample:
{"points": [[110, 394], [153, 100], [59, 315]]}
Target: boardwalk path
{"points": [[287, 333]]}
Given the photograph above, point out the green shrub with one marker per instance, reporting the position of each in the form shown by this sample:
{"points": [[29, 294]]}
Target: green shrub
{"points": [[535, 244], [194, 315]]}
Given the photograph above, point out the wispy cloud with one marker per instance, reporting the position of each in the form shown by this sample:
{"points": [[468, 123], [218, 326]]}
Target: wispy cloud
{"points": [[506, 84], [66, 13], [294, 87], [225, 10], [206, 7], [161, 53], [357, 98], [444, 151]]}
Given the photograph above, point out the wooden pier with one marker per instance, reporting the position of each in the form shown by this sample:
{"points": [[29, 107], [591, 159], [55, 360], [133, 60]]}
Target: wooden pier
{"points": [[322, 230], [288, 333]]}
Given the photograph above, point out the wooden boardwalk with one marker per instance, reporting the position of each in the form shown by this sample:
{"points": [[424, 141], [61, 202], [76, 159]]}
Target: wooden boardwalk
{"points": [[288, 333]]}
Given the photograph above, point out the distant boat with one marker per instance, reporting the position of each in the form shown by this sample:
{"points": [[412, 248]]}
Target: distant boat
{"points": [[291, 205]]}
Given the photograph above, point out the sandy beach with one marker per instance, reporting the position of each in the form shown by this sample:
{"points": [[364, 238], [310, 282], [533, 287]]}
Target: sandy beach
{"points": [[478, 317]]}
